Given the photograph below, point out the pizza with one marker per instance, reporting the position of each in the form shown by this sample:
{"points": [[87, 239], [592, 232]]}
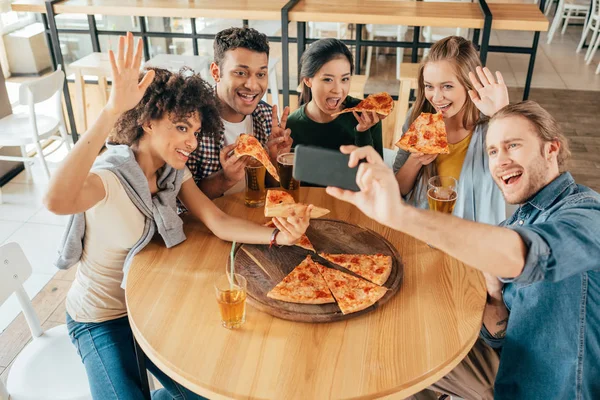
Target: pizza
{"points": [[275, 197], [375, 268], [382, 103], [279, 203], [304, 241], [427, 135], [351, 293], [248, 145], [304, 284]]}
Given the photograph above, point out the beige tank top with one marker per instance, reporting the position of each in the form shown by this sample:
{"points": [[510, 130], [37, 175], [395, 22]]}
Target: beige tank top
{"points": [[112, 227]]}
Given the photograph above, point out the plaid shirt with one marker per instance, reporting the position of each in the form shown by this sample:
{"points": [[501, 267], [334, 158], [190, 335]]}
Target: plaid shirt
{"points": [[204, 161]]}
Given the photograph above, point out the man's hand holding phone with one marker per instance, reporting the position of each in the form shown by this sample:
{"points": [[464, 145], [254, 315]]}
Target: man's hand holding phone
{"points": [[379, 196]]}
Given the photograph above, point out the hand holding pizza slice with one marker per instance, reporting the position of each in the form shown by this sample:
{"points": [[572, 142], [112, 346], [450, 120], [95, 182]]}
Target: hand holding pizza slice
{"points": [[381, 103], [426, 135], [248, 145]]}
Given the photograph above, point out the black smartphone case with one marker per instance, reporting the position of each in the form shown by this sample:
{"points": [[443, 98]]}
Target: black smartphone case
{"points": [[324, 167]]}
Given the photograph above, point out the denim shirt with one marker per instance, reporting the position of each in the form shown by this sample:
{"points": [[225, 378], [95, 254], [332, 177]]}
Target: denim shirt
{"points": [[552, 344]]}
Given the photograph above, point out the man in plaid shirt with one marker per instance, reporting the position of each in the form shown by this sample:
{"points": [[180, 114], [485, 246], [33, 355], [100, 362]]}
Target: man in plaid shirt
{"points": [[240, 70]]}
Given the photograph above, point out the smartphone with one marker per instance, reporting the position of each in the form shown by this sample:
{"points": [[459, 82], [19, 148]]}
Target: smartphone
{"points": [[324, 167]]}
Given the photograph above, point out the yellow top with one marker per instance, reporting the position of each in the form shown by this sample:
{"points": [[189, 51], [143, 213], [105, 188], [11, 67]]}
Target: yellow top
{"points": [[451, 164]]}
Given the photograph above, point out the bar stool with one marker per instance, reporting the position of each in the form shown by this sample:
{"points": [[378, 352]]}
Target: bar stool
{"points": [[409, 79], [95, 64]]}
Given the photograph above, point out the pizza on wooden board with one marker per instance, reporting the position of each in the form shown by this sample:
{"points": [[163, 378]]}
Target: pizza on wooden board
{"points": [[304, 241], [304, 284], [278, 204], [248, 145], [351, 293], [375, 268], [427, 135], [382, 103]]}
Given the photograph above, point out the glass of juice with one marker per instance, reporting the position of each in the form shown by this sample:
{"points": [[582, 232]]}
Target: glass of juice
{"points": [[231, 296]]}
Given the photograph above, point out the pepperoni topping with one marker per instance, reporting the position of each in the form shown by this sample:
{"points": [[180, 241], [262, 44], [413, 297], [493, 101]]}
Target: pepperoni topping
{"points": [[412, 140], [367, 289], [339, 284], [314, 270], [441, 143], [338, 259], [350, 296], [355, 260], [427, 135], [379, 270], [320, 294], [302, 276]]}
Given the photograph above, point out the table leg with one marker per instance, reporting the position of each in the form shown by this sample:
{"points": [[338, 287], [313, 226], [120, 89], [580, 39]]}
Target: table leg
{"points": [[536, 39], [143, 375], [59, 61], [285, 51]]}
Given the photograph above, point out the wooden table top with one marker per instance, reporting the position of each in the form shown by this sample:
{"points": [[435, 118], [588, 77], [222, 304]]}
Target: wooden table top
{"points": [[234, 9], [410, 13], [404, 346], [518, 17]]}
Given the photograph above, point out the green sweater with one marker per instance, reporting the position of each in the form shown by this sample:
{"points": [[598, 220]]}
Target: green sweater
{"points": [[332, 135]]}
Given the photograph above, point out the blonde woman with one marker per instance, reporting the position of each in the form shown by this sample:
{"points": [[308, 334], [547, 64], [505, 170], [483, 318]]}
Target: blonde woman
{"points": [[446, 86]]}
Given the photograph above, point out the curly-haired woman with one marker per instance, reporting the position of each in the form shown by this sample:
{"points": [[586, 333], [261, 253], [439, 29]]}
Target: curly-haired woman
{"points": [[121, 198]]}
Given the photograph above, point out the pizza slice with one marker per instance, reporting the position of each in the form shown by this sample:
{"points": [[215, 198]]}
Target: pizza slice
{"points": [[287, 210], [248, 145], [279, 203], [352, 294], [382, 103], [427, 135], [375, 268], [304, 241], [275, 197], [304, 284]]}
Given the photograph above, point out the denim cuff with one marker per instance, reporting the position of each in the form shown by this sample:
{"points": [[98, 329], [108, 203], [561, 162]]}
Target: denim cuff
{"points": [[536, 260]]}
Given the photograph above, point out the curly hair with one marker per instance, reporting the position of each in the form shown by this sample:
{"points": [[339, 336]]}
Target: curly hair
{"points": [[234, 38], [179, 95]]}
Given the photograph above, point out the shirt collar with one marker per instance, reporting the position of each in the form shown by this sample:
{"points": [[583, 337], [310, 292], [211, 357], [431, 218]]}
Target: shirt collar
{"points": [[546, 197]]}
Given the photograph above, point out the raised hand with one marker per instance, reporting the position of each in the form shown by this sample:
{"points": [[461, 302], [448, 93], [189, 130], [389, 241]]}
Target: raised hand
{"points": [[293, 227], [366, 120], [280, 141], [127, 91], [489, 96], [379, 196]]}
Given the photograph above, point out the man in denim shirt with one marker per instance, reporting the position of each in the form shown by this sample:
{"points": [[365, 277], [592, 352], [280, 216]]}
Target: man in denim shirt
{"points": [[543, 310]]}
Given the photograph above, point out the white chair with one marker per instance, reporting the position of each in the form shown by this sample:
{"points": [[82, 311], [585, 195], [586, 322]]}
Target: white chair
{"points": [[593, 26], [34, 127], [568, 10], [397, 31], [48, 367], [273, 85], [174, 62], [597, 73], [433, 34], [316, 29]]}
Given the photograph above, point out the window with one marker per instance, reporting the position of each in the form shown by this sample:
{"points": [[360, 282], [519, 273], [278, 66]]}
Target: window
{"points": [[11, 21]]}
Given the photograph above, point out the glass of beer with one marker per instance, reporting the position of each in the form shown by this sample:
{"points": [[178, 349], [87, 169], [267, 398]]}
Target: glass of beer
{"points": [[285, 163], [255, 184], [231, 296], [441, 193]]}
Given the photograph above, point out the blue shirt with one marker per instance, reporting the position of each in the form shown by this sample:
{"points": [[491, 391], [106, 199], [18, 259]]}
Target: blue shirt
{"points": [[552, 344]]}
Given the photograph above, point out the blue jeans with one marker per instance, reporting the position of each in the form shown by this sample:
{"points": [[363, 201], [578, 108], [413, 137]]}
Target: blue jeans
{"points": [[107, 351]]}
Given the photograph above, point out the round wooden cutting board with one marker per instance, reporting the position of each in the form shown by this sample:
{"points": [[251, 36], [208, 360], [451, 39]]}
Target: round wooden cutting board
{"points": [[265, 267]]}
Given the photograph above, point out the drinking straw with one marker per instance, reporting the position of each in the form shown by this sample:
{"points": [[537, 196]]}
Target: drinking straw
{"points": [[232, 267]]}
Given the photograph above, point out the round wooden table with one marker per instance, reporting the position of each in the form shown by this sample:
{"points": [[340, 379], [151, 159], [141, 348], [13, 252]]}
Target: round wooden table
{"points": [[396, 350]]}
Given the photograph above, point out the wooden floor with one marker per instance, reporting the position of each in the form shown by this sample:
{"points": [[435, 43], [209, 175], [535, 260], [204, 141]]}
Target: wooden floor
{"points": [[577, 111]]}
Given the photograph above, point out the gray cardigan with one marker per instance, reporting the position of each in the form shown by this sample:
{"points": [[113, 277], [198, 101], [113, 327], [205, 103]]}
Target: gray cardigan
{"points": [[159, 210], [479, 199]]}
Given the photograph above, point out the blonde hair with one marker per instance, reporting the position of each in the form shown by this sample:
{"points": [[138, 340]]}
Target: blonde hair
{"points": [[462, 55], [546, 127]]}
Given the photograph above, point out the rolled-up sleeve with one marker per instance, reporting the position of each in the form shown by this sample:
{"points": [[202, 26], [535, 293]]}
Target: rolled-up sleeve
{"points": [[565, 245], [402, 155], [494, 343]]}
